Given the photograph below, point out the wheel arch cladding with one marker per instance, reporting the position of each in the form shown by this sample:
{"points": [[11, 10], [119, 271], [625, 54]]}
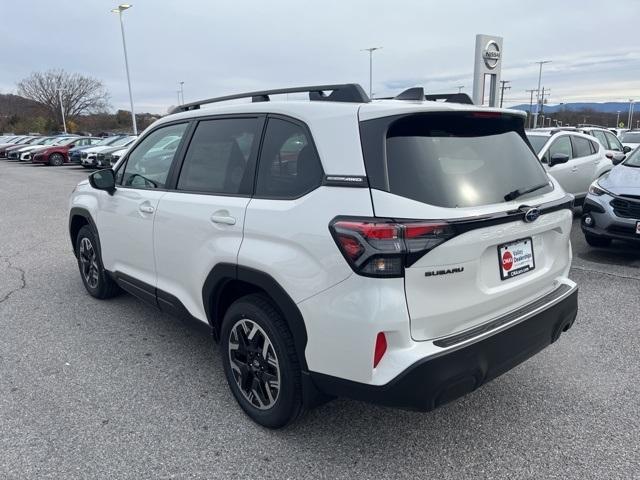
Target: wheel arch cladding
{"points": [[227, 282], [78, 218]]}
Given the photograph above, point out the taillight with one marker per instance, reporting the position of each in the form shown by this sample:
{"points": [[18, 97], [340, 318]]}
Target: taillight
{"points": [[383, 248]]}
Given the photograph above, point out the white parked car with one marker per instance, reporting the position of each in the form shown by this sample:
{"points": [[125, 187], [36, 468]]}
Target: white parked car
{"points": [[614, 150], [574, 159], [402, 252], [631, 139], [89, 156]]}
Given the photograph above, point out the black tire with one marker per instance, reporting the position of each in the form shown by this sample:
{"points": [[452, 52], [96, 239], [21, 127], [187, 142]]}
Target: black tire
{"points": [[94, 277], [286, 407], [597, 241], [56, 159]]}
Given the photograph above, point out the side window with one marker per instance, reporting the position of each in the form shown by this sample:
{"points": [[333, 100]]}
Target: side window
{"points": [[601, 138], [581, 147], [216, 161], [560, 145], [148, 165], [289, 166], [614, 143], [594, 147]]}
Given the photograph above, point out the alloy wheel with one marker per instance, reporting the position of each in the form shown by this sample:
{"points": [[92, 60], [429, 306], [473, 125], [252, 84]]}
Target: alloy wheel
{"points": [[88, 262], [254, 364]]}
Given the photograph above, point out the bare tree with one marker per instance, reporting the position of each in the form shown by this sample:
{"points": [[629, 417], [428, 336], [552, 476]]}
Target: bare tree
{"points": [[80, 94]]}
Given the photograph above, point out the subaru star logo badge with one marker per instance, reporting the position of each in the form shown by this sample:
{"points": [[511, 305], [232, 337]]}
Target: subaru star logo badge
{"points": [[531, 215]]}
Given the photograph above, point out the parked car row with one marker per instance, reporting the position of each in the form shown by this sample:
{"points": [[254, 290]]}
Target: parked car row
{"points": [[62, 149]]}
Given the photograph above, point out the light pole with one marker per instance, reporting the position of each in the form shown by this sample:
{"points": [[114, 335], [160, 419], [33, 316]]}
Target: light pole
{"points": [[617, 119], [535, 116], [64, 123], [531, 105], [119, 10], [371, 50], [182, 91], [631, 113], [460, 87]]}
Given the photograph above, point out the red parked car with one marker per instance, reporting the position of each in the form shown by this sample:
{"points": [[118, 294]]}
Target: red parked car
{"points": [[58, 154]]}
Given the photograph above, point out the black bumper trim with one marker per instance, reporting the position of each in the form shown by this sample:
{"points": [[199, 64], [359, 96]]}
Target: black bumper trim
{"points": [[432, 382]]}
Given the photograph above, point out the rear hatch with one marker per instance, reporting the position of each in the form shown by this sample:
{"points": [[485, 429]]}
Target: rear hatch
{"points": [[474, 175]]}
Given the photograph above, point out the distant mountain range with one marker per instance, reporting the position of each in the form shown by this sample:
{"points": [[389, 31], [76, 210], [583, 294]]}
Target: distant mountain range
{"points": [[607, 107]]}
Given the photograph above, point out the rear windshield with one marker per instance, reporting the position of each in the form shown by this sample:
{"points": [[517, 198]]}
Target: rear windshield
{"points": [[452, 159], [537, 142], [631, 137]]}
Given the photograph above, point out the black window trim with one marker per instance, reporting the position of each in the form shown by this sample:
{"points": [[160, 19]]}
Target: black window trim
{"points": [[251, 162], [312, 143], [179, 152]]}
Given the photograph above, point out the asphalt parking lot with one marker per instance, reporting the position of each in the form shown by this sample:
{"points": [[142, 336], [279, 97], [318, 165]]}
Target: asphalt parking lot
{"points": [[115, 389]]}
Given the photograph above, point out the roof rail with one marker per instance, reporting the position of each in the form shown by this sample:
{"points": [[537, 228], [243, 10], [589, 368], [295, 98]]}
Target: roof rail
{"points": [[346, 92], [417, 94]]}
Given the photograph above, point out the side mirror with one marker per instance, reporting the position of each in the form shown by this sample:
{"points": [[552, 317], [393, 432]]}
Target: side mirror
{"points": [[103, 180], [618, 158], [626, 149], [557, 158]]}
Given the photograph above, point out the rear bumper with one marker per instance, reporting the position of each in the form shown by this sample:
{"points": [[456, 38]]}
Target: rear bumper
{"points": [[434, 381]]}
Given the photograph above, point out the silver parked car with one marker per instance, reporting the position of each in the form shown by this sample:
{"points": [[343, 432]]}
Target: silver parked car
{"points": [[612, 207], [572, 158]]}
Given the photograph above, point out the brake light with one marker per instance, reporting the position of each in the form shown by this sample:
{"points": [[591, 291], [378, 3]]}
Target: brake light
{"points": [[380, 348], [383, 248]]}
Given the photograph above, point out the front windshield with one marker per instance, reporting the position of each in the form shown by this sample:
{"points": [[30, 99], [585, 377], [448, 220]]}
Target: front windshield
{"points": [[633, 160], [33, 141], [630, 137], [107, 141], [122, 141], [51, 141], [537, 142]]}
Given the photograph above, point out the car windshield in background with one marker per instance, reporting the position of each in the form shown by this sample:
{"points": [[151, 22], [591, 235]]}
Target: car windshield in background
{"points": [[537, 142], [122, 141], [107, 141], [630, 137], [633, 160], [457, 160]]}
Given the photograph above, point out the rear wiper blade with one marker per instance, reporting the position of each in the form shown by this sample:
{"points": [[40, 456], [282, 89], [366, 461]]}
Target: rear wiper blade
{"points": [[519, 192]]}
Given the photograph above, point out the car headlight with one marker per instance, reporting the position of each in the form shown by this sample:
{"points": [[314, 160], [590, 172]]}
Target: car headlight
{"points": [[595, 189]]}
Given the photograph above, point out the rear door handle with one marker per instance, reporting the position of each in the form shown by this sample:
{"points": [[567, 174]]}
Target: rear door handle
{"points": [[574, 169], [146, 208], [224, 219]]}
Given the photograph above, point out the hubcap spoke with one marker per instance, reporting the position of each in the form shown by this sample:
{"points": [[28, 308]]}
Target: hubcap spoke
{"points": [[254, 364]]}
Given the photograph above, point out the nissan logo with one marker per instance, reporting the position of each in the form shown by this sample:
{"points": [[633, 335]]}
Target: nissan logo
{"points": [[491, 54], [531, 215]]}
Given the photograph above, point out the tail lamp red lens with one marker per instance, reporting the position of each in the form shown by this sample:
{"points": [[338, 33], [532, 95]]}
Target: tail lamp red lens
{"points": [[380, 348], [383, 248]]}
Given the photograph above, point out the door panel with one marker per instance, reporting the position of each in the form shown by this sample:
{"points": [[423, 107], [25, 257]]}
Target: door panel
{"points": [[193, 233], [201, 224], [125, 223], [126, 218], [565, 173]]}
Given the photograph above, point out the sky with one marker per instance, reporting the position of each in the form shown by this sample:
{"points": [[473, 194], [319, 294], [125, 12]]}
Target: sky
{"points": [[221, 47]]}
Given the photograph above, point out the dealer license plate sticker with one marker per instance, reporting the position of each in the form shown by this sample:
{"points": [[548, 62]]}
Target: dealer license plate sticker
{"points": [[516, 258]]}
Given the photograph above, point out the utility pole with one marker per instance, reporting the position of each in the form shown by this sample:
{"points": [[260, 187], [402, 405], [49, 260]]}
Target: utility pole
{"points": [[182, 91], [178, 92], [631, 113], [119, 10], [460, 87], [545, 92], [503, 87], [617, 119], [531, 105], [371, 50], [64, 123], [535, 118]]}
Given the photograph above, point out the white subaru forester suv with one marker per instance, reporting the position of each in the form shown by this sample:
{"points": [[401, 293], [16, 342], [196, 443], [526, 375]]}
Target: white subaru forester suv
{"points": [[402, 251]]}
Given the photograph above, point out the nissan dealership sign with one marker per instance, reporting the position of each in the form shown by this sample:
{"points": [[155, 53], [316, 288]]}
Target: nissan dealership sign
{"points": [[491, 54], [487, 68]]}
